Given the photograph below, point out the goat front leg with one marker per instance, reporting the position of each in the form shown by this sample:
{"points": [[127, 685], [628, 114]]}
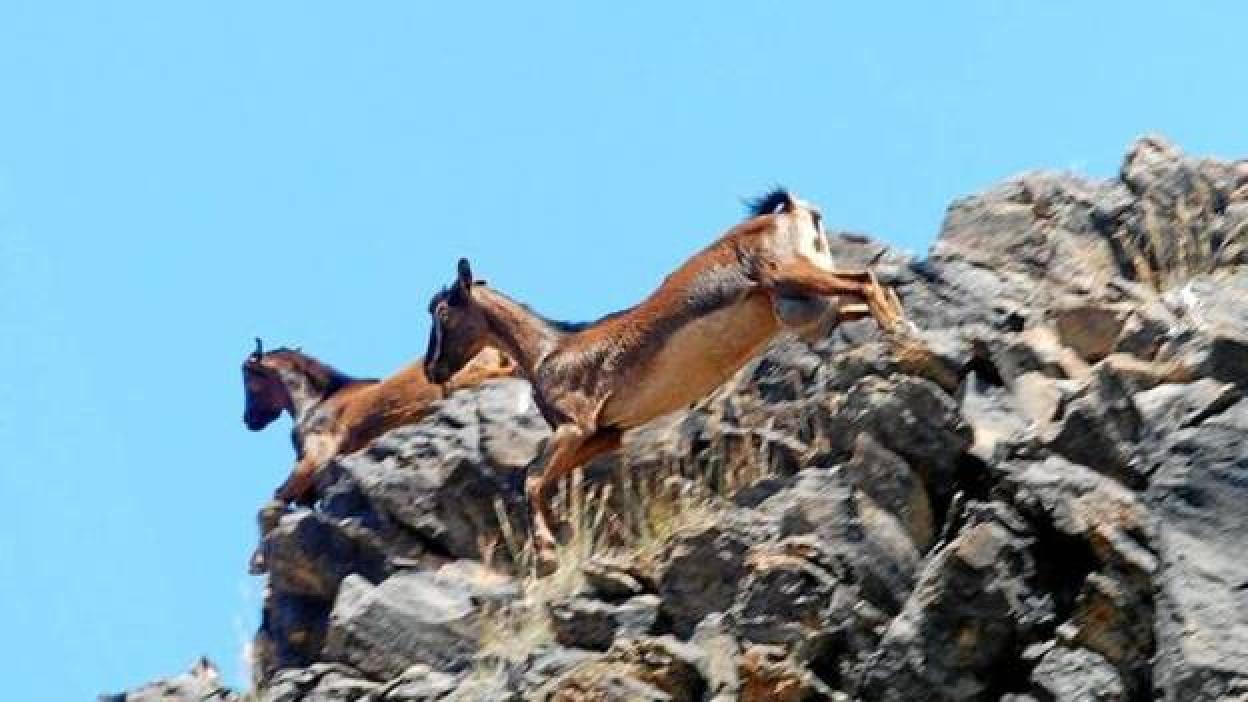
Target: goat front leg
{"points": [[300, 487], [569, 448], [802, 277], [471, 377]]}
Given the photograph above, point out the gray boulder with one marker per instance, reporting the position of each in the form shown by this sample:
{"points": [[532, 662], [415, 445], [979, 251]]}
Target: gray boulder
{"points": [[869, 546], [581, 622], [1198, 494], [443, 478], [308, 554], [1077, 675], [409, 618], [321, 682], [973, 609], [420, 683], [1100, 427], [699, 574]]}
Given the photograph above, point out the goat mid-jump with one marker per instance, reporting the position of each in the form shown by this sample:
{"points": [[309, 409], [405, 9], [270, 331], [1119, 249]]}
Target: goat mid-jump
{"points": [[592, 382]]}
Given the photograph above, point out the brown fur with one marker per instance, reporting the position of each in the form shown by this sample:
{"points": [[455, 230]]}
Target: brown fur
{"points": [[706, 320], [336, 414]]}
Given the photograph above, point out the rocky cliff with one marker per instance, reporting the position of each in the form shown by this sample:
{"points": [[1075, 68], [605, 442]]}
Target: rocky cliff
{"points": [[1042, 497]]}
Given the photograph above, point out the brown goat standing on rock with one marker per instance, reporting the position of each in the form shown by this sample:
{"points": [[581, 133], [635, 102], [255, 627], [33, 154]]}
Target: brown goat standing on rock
{"points": [[594, 381], [335, 413]]}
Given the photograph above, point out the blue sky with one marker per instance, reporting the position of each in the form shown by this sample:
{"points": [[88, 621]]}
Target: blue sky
{"points": [[176, 178]]}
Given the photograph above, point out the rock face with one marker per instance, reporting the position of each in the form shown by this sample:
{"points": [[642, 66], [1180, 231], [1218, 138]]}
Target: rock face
{"points": [[1039, 495], [202, 683]]}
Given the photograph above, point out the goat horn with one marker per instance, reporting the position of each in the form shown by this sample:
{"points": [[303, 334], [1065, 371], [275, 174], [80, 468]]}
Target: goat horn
{"points": [[259, 348]]}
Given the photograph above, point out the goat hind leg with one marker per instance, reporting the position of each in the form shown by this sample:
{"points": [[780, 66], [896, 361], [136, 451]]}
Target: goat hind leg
{"points": [[559, 449], [568, 450]]}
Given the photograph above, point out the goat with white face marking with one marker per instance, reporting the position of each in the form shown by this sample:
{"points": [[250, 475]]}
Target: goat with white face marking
{"points": [[709, 317]]}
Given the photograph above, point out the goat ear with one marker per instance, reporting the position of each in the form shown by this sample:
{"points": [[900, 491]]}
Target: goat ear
{"points": [[465, 274]]}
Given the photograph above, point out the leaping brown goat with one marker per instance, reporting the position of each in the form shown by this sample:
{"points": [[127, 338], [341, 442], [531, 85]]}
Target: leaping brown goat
{"points": [[594, 381], [335, 413]]}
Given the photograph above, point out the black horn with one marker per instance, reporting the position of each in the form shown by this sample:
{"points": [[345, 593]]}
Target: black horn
{"points": [[259, 348]]}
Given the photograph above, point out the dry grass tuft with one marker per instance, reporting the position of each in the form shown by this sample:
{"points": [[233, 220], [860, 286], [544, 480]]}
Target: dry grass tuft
{"points": [[628, 518]]}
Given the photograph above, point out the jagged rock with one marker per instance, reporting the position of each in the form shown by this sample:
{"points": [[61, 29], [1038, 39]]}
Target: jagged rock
{"points": [[803, 597], [635, 669], [584, 623], [971, 610], [308, 554], [1095, 554], [784, 598], [996, 421], [1172, 406], [549, 664], [1234, 419], [612, 581], [1081, 503], [1077, 675], [892, 486], [1224, 357], [1036, 349], [937, 355], [767, 675], [1031, 240], [718, 664], [1092, 330], [485, 683], [1211, 303], [1038, 398], [483, 585], [292, 632], [1113, 617], [320, 682], [201, 684], [699, 575], [420, 683], [442, 478], [1154, 164], [785, 373], [1178, 223], [410, 618], [872, 547], [1099, 428], [1198, 494], [662, 662], [607, 686], [1149, 325], [911, 417]]}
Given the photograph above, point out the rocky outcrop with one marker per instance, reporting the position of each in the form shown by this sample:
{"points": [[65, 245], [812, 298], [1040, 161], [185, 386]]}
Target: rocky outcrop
{"points": [[202, 683], [1039, 495]]}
